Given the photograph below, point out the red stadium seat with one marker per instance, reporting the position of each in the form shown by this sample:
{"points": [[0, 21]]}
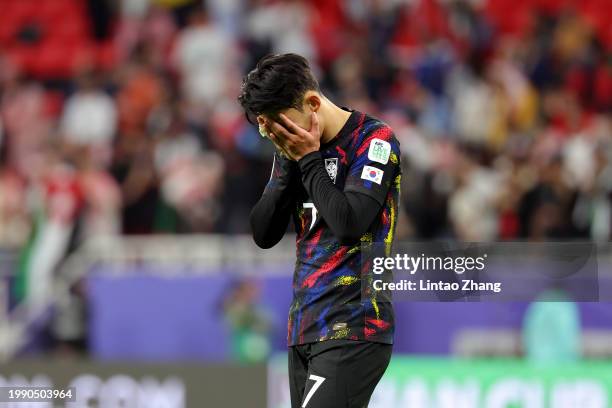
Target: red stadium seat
{"points": [[65, 29]]}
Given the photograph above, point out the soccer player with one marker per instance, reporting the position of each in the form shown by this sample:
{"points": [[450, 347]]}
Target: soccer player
{"points": [[336, 172]]}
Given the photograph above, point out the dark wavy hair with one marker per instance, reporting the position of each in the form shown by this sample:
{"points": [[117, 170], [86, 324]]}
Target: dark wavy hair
{"points": [[278, 82]]}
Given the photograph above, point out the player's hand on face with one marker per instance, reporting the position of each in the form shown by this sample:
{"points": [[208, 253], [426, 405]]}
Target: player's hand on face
{"points": [[264, 125], [294, 140]]}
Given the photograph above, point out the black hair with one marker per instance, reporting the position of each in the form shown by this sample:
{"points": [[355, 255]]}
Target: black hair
{"points": [[278, 82]]}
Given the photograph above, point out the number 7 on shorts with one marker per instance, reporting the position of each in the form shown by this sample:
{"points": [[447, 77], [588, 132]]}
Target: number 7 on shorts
{"points": [[318, 381]]}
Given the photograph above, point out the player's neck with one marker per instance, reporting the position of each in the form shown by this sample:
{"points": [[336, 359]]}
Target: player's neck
{"points": [[335, 119]]}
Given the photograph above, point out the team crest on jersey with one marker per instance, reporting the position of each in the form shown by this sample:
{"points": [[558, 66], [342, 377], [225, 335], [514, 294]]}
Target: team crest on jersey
{"points": [[331, 165]]}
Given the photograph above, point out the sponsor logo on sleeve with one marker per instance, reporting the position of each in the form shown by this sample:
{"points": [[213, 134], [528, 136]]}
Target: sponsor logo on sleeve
{"points": [[372, 174], [379, 151]]}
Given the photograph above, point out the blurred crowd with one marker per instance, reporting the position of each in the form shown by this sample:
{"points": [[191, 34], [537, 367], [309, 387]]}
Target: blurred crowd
{"points": [[502, 109]]}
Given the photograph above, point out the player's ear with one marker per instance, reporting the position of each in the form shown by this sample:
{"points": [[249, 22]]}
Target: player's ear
{"points": [[264, 120], [312, 100]]}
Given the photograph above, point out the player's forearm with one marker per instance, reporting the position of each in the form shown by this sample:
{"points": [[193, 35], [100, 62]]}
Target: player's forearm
{"points": [[348, 215], [271, 214], [269, 219]]}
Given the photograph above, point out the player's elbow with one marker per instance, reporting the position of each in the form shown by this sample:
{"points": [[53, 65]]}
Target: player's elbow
{"points": [[263, 238], [264, 242], [263, 235]]}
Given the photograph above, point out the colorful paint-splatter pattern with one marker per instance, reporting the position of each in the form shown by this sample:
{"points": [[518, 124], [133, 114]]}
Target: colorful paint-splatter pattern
{"points": [[327, 284]]}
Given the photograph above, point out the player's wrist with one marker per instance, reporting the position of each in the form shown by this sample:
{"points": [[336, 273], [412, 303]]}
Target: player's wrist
{"points": [[309, 158], [285, 162]]}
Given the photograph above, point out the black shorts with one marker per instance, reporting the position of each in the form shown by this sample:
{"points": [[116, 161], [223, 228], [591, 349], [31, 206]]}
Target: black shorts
{"points": [[336, 373]]}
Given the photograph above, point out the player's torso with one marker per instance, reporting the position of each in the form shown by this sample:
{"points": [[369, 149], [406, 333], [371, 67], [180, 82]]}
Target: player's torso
{"points": [[316, 243], [327, 280], [309, 225]]}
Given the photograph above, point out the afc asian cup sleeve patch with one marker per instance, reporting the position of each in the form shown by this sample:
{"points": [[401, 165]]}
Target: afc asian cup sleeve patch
{"points": [[379, 151], [372, 174]]}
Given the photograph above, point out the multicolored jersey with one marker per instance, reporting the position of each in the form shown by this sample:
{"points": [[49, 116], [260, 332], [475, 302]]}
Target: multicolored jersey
{"points": [[327, 284]]}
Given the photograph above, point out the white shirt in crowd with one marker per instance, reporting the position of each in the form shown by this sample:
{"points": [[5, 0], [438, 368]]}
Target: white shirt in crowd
{"points": [[90, 117]]}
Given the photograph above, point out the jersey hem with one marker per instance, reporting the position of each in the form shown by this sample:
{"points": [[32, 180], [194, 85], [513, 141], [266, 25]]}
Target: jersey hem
{"points": [[373, 339]]}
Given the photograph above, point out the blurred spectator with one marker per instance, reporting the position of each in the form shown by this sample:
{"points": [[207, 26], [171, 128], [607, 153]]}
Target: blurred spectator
{"points": [[89, 117], [14, 220], [191, 179], [503, 113], [545, 208], [56, 206], [203, 51], [282, 25], [472, 205], [502, 108], [140, 23], [551, 329], [140, 90], [26, 125], [594, 207], [134, 170], [101, 196], [249, 323]]}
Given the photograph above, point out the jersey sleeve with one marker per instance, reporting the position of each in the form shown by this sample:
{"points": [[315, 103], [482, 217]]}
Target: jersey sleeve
{"points": [[270, 216], [375, 164]]}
